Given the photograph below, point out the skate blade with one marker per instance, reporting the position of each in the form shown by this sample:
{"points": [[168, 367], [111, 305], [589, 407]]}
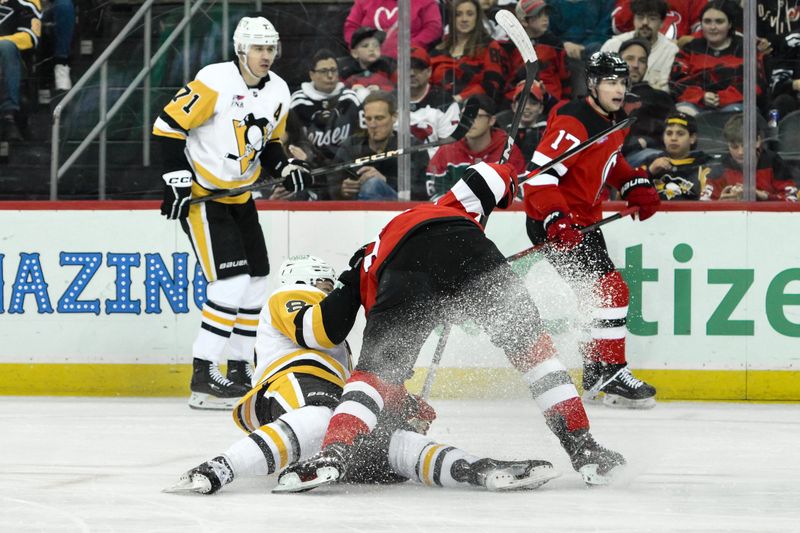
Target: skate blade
{"points": [[618, 402], [185, 485], [202, 401], [505, 480], [593, 478], [291, 482]]}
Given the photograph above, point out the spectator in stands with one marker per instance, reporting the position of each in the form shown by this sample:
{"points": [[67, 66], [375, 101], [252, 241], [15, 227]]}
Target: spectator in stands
{"points": [[426, 22], [327, 111], [708, 74], [680, 173], [778, 25], [535, 18], [681, 20], [483, 142], [533, 120], [61, 13], [648, 15], [468, 61], [490, 9], [377, 181], [650, 106], [434, 113], [773, 178], [583, 26], [366, 69], [20, 29]]}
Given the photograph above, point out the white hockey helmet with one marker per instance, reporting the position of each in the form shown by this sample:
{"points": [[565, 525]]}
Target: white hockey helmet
{"points": [[254, 30], [305, 269]]}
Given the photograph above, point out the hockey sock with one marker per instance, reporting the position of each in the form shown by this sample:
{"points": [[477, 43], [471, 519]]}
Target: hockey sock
{"points": [[609, 320], [363, 398], [218, 317], [295, 435], [243, 336], [556, 395], [419, 458]]}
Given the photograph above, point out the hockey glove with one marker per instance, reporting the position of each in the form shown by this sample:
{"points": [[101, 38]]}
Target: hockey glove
{"points": [[296, 174], [468, 115], [641, 193], [418, 413], [561, 232], [177, 194], [352, 276]]}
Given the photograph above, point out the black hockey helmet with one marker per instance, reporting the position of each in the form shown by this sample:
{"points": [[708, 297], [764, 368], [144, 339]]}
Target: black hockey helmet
{"points": [[604, 66]]}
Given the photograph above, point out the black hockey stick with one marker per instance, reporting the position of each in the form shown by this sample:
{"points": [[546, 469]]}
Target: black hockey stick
{"points": [[464, 124], [520, 38]]}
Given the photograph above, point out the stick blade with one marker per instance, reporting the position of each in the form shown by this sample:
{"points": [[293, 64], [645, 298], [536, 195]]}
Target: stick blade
{"points": [[512, 26]]}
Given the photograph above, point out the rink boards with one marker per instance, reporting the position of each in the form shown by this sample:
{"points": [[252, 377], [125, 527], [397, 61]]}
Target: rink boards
{"points": [[105, 301]]}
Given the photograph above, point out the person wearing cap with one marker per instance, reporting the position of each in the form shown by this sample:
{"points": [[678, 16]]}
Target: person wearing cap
{"points": [[434, 113], [534, 118], [534, 15], [468, 61], [426, 22], [366, 69], [682, 19], [648, 15], [680, 172], [482, 143], [650, 106]]}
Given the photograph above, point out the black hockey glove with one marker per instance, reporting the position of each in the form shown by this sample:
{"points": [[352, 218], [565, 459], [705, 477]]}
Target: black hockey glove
{"points": [[352, 276], [468, 115], [296, 174], [177, 194]]}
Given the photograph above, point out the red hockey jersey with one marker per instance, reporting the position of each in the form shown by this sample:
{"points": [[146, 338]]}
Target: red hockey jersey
{"points": [[682, 17], [483, 187], [575, 186]]}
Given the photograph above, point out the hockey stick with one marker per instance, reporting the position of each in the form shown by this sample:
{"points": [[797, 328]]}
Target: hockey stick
{"points": [[511, 25], [464, 124]]}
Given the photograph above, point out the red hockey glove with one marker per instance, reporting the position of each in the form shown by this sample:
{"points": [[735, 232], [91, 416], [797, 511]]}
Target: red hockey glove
{"points": [[640, 192], [418, 413], [561, 232]]}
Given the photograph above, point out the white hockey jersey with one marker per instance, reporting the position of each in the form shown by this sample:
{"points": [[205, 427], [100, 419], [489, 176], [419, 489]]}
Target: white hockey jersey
{"points": [[226, 125], [277, 349]]}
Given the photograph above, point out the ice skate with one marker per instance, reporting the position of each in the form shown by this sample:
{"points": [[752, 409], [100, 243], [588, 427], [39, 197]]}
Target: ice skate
{"points": [[497, 475], [597, 465], [212, 390], [206, 478], [240, 372], [324, 468], [615, 386]]}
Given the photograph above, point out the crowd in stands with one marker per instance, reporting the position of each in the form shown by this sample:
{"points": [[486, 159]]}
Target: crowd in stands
{"points": [[685, 59]]}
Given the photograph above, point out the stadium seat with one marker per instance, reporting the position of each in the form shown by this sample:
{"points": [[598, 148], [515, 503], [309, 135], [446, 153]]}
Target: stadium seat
{"points": [[789, 136]]}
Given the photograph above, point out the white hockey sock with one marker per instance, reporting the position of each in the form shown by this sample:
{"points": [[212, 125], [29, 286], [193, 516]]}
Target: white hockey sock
{"points": [[218, 317], [419, 458], [243, 337]]}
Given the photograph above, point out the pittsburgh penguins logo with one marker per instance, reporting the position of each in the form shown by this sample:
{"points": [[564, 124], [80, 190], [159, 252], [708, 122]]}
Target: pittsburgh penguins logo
{"points": [[251, 135]]}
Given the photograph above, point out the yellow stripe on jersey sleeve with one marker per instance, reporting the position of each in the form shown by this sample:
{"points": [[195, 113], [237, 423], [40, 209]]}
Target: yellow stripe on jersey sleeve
{"points": [[284, 305], [320, 339], [192, 105]]}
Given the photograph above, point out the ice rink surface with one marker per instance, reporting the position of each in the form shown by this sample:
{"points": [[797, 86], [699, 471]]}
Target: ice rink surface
{"points": [[77, 465]]}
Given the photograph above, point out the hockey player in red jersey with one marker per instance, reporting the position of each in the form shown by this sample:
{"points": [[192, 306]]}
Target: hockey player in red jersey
{"points": [[560, 201], [430, 263]]}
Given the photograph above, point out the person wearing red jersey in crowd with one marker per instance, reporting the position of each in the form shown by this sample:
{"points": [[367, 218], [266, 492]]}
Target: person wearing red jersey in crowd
{"points": [[708, 73], [680, 21], [482, 142], [366, 69], [533, 121], [647, 17], [426, 22], [468, 61], [552, 59], [567, 197], [430, 264], [434, 113], [773, 178]]}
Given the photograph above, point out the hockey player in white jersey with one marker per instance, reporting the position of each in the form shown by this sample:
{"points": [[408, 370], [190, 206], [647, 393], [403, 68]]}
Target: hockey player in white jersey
{"points": [[219, 132], [303, 363]]}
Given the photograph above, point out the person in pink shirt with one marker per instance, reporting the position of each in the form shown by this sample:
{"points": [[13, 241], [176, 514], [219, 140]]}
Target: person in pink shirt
{"points": [[426, 22]]}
